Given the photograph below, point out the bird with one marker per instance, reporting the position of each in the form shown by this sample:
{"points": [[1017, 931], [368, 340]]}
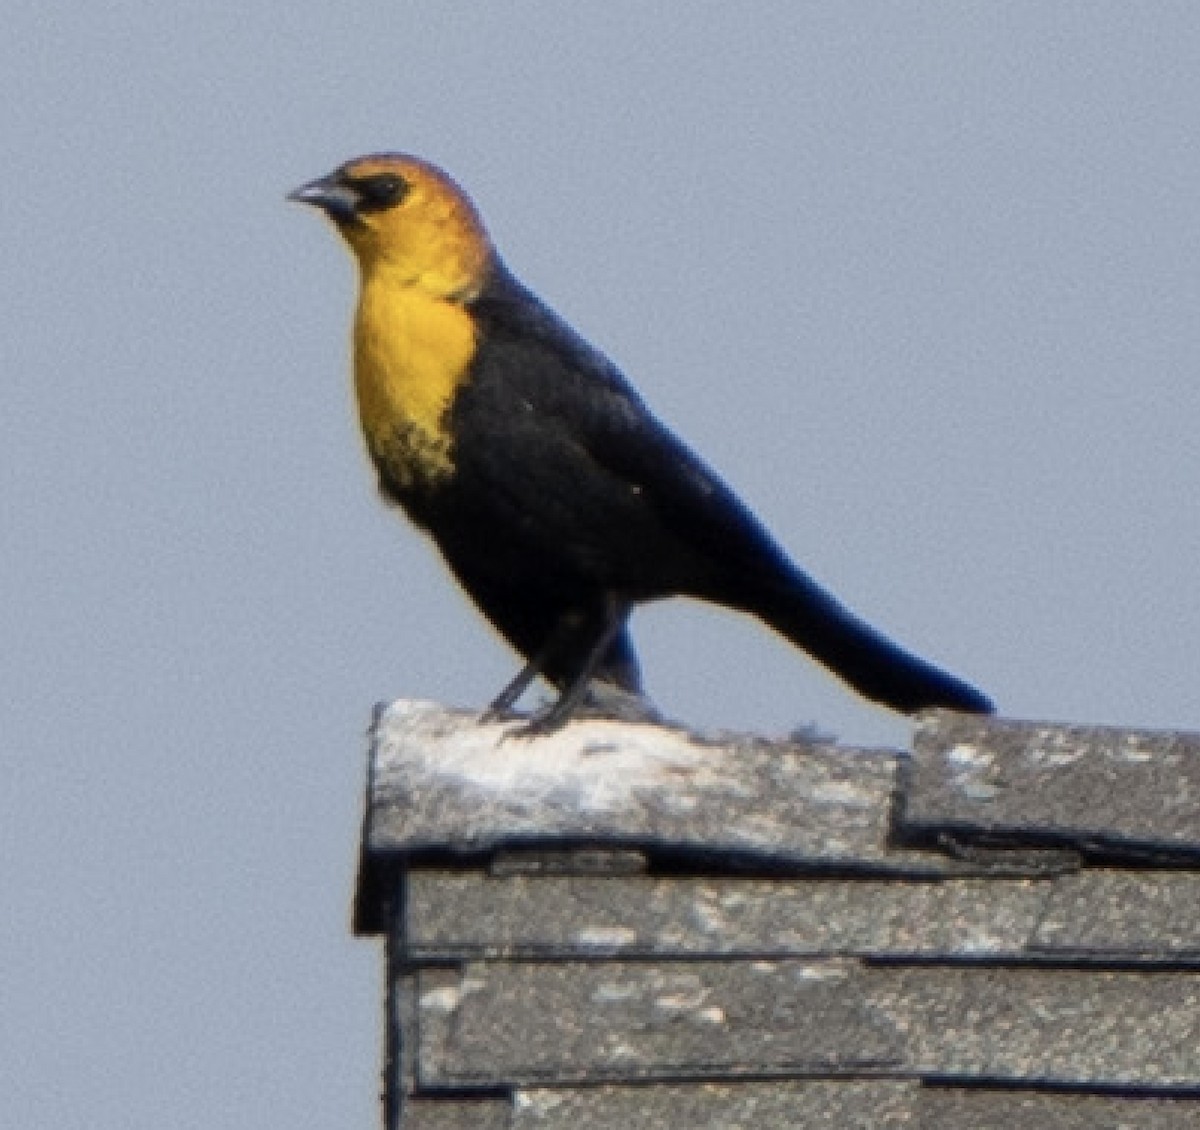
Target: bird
{"points": [[557, 498]]}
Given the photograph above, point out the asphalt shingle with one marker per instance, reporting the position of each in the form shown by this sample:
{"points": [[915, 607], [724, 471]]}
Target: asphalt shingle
{"points": [[1121, 791], [623, 926], [443, 785], [497, 1023], [853, 1104], [685, 916]]}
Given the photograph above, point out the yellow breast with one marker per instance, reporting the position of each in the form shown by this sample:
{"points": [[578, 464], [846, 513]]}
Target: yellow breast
{"points": [[411, 352]]}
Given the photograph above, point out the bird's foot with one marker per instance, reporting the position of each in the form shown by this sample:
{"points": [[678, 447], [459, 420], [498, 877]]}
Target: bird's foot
{"points": [[603, 702]]}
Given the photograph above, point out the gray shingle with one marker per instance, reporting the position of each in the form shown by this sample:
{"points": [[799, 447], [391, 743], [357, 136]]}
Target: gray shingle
{"points": [[945, 1108], [502, 1023], [847, 1105], [495, 1024], [452, 1114], [1111, 788], [850, 1104], [1062, 1026], [1125, 914], [621, 926], [441, 783], [469, 915], [1095, 916]]}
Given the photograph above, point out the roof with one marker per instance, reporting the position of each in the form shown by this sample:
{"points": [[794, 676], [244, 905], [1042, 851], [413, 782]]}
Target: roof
{"points": [[623, 925]]}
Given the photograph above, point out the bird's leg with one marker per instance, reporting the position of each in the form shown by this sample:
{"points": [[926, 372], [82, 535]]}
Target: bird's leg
{"points": [[616, 611], [504, 701], [507, 698]]}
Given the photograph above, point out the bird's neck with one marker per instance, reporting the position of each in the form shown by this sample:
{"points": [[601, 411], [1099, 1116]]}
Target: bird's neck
{"points": [[412, 350]]}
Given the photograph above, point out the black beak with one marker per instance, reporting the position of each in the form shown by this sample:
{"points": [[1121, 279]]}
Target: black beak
{"points": [[337, 199]]}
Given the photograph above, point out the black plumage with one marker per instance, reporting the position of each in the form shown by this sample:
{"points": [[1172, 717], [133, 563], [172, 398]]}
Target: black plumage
{"points": [[570, 503]]}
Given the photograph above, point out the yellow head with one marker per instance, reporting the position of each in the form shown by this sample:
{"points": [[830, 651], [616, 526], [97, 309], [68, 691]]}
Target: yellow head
{"points": [[406, 219]]}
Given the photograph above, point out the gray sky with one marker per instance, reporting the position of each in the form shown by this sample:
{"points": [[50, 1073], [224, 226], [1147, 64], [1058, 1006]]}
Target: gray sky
{"points": [[921, 280]]}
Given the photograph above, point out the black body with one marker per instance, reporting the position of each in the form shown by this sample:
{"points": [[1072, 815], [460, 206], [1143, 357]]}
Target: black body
{"points": [[569, 502]]}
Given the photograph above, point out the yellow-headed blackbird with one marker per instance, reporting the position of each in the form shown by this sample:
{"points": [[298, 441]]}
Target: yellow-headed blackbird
{"points": [[555, 496]]}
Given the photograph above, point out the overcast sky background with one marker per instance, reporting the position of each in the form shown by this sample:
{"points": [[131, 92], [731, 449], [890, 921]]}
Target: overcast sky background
{"points": [[921, 280]]}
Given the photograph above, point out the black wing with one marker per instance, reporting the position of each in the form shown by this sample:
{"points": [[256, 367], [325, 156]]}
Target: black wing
{"points": [[559, 425], [609, 497]]}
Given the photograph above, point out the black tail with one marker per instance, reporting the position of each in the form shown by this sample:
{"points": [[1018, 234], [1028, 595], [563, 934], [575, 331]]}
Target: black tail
{"points": [[874, 666]]}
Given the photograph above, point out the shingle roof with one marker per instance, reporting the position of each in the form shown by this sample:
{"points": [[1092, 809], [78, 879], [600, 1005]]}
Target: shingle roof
{"points": [[632, 926]]}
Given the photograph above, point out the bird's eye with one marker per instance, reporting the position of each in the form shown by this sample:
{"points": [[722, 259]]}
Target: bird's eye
{"points": [[380, 191]]}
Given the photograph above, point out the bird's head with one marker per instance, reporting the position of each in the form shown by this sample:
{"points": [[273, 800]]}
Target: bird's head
{"points": [[406, 218]]}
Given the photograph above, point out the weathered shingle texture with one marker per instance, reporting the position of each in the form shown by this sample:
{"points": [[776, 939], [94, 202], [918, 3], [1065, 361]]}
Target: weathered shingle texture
{"points": [[623, 926]]}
